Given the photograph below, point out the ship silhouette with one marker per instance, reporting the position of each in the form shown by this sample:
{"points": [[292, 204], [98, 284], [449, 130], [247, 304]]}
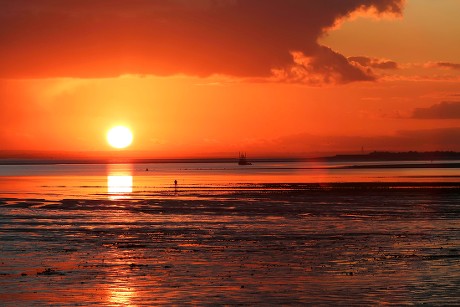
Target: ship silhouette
{"points": [[242, 159]]}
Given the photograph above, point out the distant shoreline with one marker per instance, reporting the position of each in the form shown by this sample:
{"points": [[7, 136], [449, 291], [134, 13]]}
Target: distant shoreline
{"points": [[354, 166], [415, 165], [427, 157]]}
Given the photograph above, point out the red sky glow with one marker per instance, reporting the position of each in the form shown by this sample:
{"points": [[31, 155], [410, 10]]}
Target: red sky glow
{"points": [[215, 77]]}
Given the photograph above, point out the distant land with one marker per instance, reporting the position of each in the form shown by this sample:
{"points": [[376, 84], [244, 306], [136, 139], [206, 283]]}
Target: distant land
{"points": [[395, 156], [6, 158]]}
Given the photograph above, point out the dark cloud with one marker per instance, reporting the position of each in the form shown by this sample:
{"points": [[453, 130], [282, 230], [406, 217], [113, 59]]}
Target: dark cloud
{"points": [[448, 65], [373, 63], [102, 38], [443, 110]]}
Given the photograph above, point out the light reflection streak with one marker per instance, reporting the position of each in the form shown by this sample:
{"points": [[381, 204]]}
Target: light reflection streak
{"points": [[119, 181], [120, 294], [120, 184]]}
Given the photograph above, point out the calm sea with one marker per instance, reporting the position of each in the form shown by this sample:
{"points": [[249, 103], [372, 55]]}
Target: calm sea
{"points": [[96, 180]]}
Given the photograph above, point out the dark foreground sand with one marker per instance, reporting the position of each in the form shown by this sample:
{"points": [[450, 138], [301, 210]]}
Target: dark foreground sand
{"points": [[249, 244]]}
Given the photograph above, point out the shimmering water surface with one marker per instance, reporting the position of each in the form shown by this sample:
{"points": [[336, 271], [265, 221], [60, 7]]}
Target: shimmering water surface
{"points": [[274, 233]]}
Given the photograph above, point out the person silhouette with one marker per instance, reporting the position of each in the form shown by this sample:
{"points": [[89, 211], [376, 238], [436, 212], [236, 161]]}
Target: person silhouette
{"points": [[175, 187]]}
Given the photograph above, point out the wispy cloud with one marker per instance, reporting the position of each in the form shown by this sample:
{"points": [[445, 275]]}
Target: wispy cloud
{"points": [[324, 67], [373, 62]]}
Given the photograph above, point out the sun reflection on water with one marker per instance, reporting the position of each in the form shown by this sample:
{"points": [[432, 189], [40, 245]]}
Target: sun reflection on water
{"points": [[119, 181], [120, 184], [121, 295]]}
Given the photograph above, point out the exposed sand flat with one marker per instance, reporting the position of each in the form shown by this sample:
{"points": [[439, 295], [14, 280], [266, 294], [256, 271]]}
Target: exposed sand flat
{"points": [[367, 243]]}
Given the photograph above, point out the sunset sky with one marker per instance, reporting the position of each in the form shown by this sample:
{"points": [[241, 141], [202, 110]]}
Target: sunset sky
{"points": [[215, 77]]}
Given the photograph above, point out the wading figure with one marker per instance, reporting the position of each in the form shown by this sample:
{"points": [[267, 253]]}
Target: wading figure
{"points": [[175, 187]]}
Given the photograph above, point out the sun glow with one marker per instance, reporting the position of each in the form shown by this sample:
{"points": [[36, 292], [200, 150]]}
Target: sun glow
{"points": [[119, 184], [119, 137]]}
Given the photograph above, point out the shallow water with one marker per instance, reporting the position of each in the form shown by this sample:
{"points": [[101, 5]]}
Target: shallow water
{"points": [[70, 240]]}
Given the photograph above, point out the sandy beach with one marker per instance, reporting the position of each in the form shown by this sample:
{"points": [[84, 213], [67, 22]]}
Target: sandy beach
{"points": [[349, 243]]}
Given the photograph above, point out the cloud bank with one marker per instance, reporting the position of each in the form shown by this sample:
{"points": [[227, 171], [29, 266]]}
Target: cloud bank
{"points": [[448, 65], [243, 38], [443, 110], [404, 140]]}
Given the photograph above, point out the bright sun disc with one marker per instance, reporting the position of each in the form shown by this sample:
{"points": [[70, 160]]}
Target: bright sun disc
{"points": [[119, 137]]}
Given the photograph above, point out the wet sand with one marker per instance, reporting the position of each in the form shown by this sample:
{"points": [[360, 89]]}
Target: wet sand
{"points": [[351, 243]]}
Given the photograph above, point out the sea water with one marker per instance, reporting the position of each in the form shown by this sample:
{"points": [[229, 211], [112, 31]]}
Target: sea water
{"points": [[269, 233], [94, 180]]}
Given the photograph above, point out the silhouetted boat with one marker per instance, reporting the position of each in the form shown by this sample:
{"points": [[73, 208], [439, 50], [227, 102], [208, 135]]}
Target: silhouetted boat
{"points": [[242, 160]]}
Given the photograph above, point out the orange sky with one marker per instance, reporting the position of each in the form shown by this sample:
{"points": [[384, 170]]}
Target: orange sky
{"points": [[207, 78]]}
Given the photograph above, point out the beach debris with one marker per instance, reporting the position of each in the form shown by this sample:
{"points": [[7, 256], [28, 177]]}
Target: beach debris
{"points": [[130, 245], [69, 250], [49, 272], [134, 265]]}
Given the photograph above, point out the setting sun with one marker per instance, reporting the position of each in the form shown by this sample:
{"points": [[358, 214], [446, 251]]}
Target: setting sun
{"points": [[119, 137]]}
